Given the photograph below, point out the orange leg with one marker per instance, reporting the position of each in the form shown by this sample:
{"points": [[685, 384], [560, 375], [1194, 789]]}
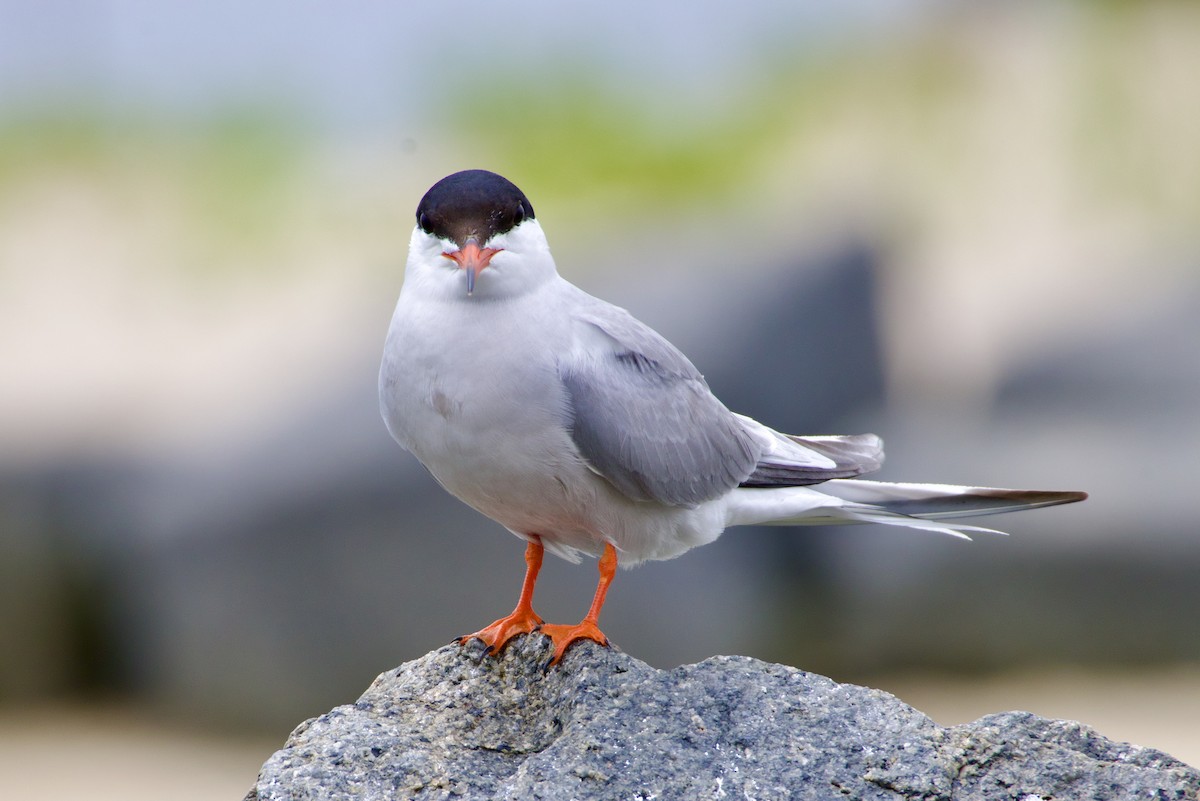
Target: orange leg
{"points": [[588, 628], [523, 619]]}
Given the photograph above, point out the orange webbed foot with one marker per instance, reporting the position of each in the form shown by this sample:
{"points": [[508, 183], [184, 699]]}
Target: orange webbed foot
{"points": [[561, 637], [523, 619], [588, 628], [497, 635]]}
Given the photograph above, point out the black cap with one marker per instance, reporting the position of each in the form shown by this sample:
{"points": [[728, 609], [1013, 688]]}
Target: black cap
{"points": [[472, 203]]}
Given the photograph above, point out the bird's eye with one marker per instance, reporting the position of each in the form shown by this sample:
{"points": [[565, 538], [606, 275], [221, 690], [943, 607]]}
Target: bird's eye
{"points": [[423, 221], [519, 216]]}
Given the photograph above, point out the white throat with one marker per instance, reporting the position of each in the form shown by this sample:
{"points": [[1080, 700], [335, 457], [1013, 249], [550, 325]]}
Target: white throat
{"points": [[522, 265]]}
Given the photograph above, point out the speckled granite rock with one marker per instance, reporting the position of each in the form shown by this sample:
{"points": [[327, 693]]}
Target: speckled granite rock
{"points": [[605, 726]]}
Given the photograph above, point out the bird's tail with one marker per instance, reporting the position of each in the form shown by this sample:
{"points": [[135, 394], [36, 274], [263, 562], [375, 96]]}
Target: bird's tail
{"points": [[929, 507]]}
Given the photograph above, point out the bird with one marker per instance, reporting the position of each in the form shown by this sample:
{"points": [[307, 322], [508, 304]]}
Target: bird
{"points": [[583, 431]]}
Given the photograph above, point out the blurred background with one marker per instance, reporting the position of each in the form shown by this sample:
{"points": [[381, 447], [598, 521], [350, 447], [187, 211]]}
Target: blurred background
{"points": [[972, 228]]}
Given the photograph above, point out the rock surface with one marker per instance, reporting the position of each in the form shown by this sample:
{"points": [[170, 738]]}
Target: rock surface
{"points": [[603, 725]]}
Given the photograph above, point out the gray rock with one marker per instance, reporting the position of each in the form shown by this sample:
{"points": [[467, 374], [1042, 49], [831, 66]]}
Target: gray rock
{"points": [[454, 724]]}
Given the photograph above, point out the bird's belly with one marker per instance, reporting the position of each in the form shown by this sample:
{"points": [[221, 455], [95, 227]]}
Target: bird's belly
{"points": [[573, 509], [497, 437], [529, 488], [501, 446]]}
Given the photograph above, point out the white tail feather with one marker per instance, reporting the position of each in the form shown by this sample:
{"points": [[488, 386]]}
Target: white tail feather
{"points": [[920, 506], [943, 501]]}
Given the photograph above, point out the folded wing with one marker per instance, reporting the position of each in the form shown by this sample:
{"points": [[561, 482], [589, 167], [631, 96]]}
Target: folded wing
{"points": [[643, 417]]}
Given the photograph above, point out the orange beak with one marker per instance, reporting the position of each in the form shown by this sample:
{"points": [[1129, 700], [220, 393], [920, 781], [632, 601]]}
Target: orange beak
{"points": [[473, 259]]}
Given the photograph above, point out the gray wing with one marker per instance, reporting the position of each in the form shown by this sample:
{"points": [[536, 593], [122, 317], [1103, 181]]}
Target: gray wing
{"points": [[644, 418]]}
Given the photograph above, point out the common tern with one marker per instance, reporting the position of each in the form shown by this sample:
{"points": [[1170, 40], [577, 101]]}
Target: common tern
{"points": [[583, 431]]}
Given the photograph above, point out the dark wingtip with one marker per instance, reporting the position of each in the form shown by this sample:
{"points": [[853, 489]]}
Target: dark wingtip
{"points": [[1048, 497], [1034, 499]]}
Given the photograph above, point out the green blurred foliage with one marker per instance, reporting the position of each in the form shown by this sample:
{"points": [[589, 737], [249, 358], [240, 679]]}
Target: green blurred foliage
{"points": [[900, 122], [228, 180], [1137, 115], [627, 148], [1103, 95], [242, 169]]}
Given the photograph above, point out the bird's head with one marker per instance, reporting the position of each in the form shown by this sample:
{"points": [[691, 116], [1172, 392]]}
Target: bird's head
{"points": [[474, 221]]}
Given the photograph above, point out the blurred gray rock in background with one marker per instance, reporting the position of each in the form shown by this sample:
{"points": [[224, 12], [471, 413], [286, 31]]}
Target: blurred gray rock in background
{"points": [[323, 547], [1106, 582], [269, 577], [603, 725]]}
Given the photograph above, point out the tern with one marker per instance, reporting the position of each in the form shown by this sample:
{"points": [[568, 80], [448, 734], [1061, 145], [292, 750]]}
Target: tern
{"points": [[583, 431]]}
